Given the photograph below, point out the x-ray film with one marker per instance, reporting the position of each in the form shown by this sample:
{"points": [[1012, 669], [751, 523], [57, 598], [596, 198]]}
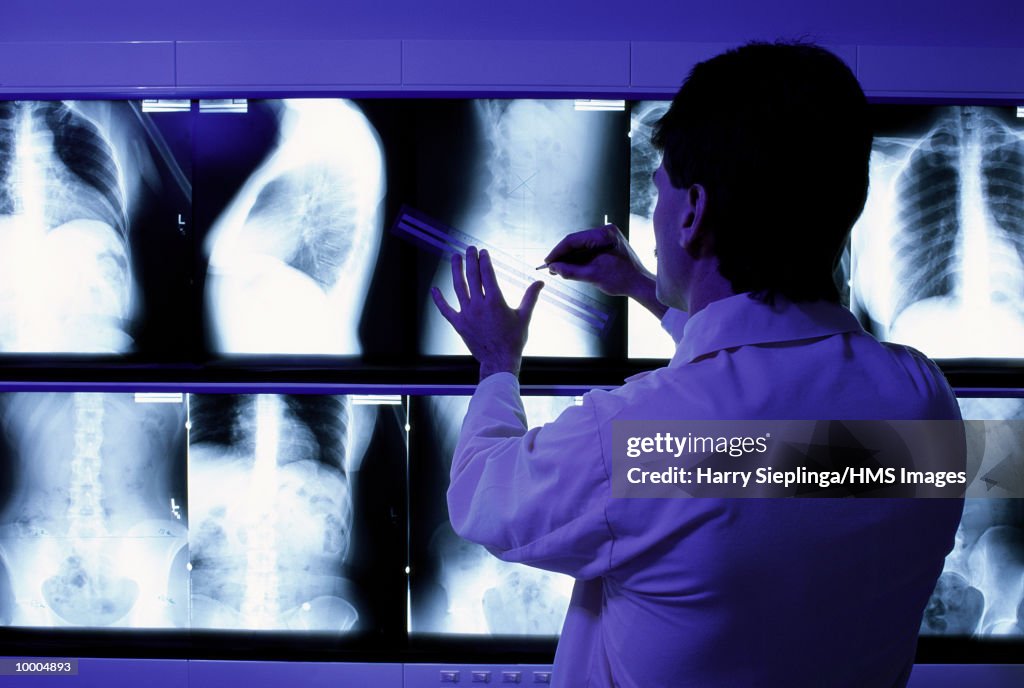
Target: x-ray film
{"points": [[936, 257], [291, 213], [981, 590], [646, 339], [457, 587], [447, 241], [95, 208], [93, 511], [275, 488], [519, 175]]}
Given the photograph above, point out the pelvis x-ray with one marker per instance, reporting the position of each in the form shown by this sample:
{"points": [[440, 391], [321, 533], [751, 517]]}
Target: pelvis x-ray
{"points": [[981, 589], [272, 480], [93, 520], [645, 336], [457, 586], [292, 251], [522, 174], [89, 192], [938, 255]]}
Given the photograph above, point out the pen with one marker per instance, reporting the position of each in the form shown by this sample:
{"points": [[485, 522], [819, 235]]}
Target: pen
{"points": [[578, 256]]}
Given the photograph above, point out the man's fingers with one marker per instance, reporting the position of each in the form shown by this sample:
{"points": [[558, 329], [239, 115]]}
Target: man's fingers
{"points": [[573, 272], [459, 281], [447, 311], [473, 272], [488, 278], [590, 239], [529, 301]]}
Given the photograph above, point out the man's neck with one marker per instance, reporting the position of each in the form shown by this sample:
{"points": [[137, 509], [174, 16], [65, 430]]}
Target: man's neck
{"points": [[707, 286]]}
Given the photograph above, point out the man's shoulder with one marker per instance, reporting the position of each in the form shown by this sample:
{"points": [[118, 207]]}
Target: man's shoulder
{"points": [[662, 392]]}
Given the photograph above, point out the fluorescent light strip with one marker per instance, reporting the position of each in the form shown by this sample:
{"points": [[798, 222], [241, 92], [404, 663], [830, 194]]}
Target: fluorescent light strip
{"points": [[591, 105], [161, 105], [376, 399], [159, 397], [240, 105]]}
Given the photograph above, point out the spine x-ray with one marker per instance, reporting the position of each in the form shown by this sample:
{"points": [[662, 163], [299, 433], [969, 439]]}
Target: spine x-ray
{"points": [[273, 491], [981, 590], [519, 175], [291, 208], [93, 515], [646, 339], [458, 587], [937, 258], [94, 212]]}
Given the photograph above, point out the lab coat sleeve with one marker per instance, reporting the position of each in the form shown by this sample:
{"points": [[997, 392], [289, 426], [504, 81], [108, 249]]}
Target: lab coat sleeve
{"points": [[536, 496]]}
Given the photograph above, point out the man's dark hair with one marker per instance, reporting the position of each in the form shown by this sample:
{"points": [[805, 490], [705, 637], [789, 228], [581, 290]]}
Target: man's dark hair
{"points": [[779, 136]]}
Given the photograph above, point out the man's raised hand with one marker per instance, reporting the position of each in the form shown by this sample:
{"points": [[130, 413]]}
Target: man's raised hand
{"points": [[493, 332]]}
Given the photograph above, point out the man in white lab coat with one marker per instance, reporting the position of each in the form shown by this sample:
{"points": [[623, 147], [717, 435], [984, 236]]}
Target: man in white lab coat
{"points": [[765, 170]]}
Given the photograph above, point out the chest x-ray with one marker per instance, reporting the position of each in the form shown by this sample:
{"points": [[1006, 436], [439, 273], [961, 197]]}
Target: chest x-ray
{"points": [[271, 486], [646, 339], [535, 170], [93, 521], [981, 589], [292, 253], [458, 587], [88, 191], [937, 255]]}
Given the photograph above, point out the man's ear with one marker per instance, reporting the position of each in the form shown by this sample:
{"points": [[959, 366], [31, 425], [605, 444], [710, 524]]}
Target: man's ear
{"points": [[695, 235]]}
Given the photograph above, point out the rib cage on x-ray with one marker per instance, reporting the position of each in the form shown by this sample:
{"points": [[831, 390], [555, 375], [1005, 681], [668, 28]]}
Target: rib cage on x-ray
{"points": [[94, 523], [482, 594], [65, 279], [537, 177], [270, 503], [646, 338], [938, 255], [981, 589], [291, 256]]}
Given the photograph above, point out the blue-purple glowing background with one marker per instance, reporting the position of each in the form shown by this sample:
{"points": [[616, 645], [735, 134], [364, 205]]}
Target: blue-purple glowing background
{"points": [[225, 512], [937, 258], [458, 587], [981, 589], [518, 175], [95, 204]]}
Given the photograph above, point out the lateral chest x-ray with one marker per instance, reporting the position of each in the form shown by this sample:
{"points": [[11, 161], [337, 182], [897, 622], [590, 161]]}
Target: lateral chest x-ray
{"points": [[458, 587], [93, 511], [518, 175], [981, 589], [646, 339], [938, 255], [94, 211], [292, 217]]}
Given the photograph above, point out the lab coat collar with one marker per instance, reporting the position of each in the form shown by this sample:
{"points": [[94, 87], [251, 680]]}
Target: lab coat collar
{"points": [[742, 320]]}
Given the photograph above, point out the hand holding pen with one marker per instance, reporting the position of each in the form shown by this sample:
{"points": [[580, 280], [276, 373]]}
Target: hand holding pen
{"points": [[601, 256]]}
